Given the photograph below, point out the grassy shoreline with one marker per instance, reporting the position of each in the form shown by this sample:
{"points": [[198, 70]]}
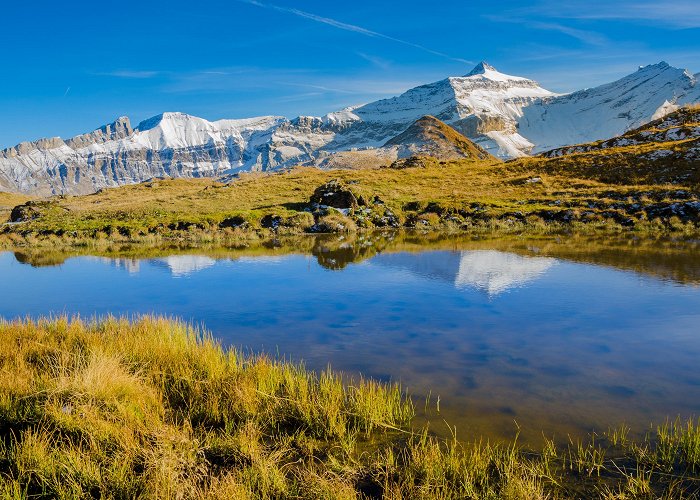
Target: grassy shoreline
{"points": [[154, 408]]}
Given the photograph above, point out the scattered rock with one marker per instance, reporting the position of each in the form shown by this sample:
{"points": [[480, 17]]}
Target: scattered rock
{"points": [[234, 222], [27, 212], [388, 219], [271, 221], [410, 162], [333, 223]]}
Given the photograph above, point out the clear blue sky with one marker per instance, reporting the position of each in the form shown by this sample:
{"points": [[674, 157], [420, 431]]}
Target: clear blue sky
{"points": [[69, 67]]}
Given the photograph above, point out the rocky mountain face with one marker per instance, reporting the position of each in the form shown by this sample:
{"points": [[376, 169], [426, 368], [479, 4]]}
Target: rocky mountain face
{"points": [[427, 136], [679, 130], [507, 116]]}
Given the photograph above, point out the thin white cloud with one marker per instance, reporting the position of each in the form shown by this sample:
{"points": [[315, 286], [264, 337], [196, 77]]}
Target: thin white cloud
{"points": [[223, 80], [351, 27], [589, 37], [376, 61], [131, 74]]}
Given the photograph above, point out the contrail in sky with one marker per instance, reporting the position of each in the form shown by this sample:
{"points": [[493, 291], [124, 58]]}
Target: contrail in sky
{"points": [[351, 27]]}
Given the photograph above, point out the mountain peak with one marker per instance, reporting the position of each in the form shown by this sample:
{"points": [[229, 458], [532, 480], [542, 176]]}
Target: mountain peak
{"points": [[168, 116], [659, 65], [481, 69], [484, 71]]}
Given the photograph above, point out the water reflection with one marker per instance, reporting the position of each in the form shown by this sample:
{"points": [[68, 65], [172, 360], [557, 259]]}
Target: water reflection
{"points": [[557, 335], [491, 271], [184, 265]]}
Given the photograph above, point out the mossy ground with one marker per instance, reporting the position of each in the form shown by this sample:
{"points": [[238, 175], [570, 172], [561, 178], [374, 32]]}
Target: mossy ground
{"points": [[156, 409]]}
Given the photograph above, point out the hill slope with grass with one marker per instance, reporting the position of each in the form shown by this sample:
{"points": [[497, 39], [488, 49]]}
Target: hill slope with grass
{"points": [[429, 136], [664, 151]]}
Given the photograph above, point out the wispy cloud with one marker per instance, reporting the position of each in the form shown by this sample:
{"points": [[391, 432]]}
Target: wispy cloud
{"points": [[585, 36], [66, 92], [251, 79], [351, 27], [131, 74], [376, 61]]}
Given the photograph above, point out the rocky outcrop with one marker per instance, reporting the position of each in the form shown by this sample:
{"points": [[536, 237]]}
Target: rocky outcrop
{"points": [[119, 129], [25, 148]]}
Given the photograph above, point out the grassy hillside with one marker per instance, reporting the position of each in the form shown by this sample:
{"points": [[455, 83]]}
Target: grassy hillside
{"points": [[432, 137], [456, 195], [155, 409], [648, 179], [666, 150]]}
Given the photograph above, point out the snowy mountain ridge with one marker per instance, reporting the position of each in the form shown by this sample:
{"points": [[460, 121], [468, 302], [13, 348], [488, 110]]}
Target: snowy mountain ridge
{"points": [[507, 115]]}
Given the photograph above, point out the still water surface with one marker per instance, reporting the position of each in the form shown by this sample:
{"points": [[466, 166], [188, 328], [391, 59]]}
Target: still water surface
{"points": [[548, 343]]}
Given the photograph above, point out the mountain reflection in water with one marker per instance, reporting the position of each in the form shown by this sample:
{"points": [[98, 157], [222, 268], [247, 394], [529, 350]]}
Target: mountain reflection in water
{"points": [[491, 271]]}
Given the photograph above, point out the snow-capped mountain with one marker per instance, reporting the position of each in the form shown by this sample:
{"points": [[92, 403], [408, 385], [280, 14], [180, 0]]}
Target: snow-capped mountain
{"points": [[508, 116], [484, 105], [169, 145], [609, 110]]}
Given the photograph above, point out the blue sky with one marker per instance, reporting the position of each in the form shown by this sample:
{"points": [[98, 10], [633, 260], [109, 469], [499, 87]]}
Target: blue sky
{"points": [[69, 67]]}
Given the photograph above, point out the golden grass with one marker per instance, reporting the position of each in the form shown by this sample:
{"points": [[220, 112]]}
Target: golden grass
{"points": [[8, 201], [156, 409]]}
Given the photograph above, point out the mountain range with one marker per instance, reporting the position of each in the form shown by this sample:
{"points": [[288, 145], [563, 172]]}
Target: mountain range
{"points": [[505, 116]]}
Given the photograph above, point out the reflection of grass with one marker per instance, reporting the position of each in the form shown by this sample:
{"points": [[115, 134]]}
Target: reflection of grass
{"points": [[156, 409], [657, 255]]}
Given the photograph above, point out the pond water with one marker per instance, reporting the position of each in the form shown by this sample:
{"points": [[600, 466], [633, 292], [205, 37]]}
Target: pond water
{"points": [[507, 336]]}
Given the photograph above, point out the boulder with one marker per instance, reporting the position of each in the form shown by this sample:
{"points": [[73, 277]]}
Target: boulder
{"points": [[24, 213], [336, 194]]}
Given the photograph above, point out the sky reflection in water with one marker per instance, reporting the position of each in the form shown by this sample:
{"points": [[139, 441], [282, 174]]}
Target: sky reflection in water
{"points": [[502, 338]]}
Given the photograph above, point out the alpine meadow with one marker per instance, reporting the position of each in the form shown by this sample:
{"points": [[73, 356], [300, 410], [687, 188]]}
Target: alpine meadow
{"points": [[288, 266]]}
